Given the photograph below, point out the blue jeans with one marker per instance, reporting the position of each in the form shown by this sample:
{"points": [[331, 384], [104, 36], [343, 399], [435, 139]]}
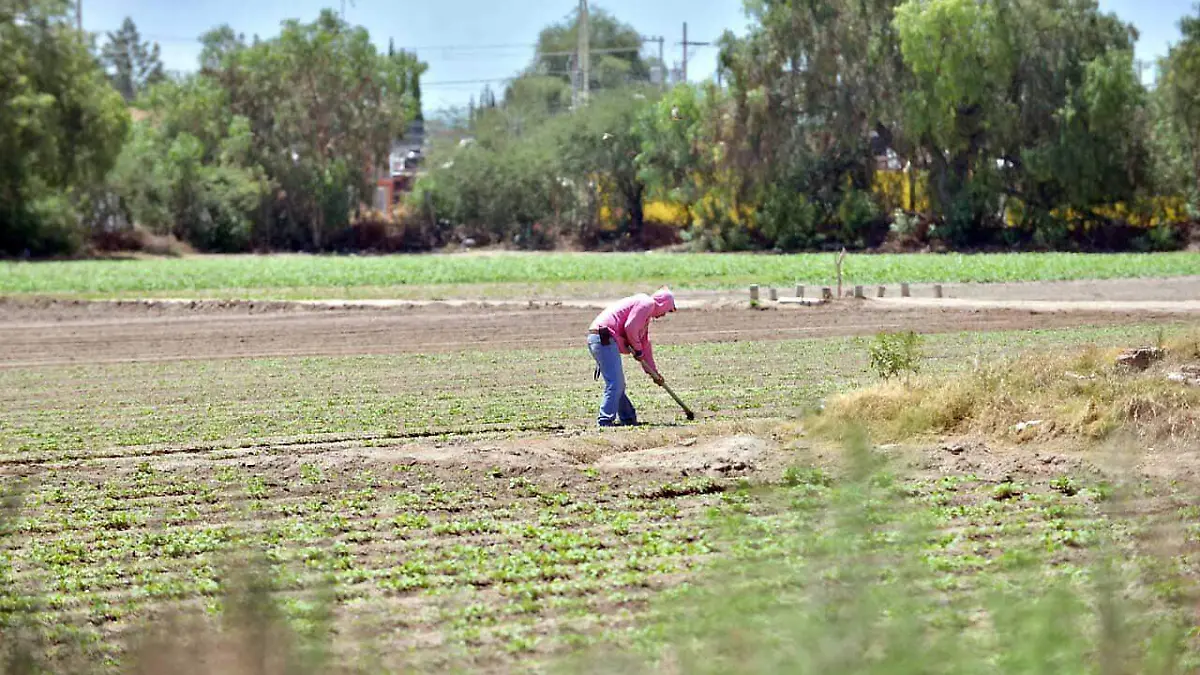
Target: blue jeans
{"points": [[614, 404]]}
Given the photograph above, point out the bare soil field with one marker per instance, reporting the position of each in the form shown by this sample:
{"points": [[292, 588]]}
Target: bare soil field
{"points": [[43, 333], [153, 439]]}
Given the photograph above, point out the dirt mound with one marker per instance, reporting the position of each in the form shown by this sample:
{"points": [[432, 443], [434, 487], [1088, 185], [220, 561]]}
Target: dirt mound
{"points": [[732, 456]]}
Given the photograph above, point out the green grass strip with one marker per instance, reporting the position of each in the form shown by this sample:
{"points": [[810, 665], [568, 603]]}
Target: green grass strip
{"points": [[234, 273]]}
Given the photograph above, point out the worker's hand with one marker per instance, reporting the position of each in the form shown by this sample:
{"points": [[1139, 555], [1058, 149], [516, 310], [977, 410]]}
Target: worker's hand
{"points": [[658, 379]]}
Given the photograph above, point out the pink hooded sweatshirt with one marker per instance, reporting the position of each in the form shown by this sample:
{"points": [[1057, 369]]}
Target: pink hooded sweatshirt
{"points": [[629, 322]]}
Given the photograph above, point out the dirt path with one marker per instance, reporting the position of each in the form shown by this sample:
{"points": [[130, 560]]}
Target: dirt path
{"points": [[50, 333], [1045, 306]]}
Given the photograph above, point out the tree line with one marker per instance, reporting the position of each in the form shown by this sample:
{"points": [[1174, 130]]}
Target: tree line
{"points": [[858, 123], [271, 144], [954, 123]]}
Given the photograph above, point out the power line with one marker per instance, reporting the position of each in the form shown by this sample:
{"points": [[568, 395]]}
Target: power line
{"points": [[488, 80], [613, 50], [521, 45], [433, 48], [162, 37], [455, 83], [467, 56]]}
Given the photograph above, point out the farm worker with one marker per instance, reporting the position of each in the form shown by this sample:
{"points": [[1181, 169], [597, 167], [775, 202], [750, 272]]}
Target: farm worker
{"points": [[623, 328]]}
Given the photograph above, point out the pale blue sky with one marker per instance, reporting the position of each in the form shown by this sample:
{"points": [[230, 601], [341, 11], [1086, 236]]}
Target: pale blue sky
{"points": [[492, 39]]}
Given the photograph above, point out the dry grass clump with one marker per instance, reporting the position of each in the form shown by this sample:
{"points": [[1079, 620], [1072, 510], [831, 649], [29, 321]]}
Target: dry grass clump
{"points": [[1083, 394]]}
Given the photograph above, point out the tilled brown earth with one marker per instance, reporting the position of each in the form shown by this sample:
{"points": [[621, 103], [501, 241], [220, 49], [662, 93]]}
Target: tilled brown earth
{"points": [[48, 333], [489, 552]]}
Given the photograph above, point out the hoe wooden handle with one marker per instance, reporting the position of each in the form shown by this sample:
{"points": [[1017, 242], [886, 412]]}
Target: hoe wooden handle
{"points": [[690, 415]]}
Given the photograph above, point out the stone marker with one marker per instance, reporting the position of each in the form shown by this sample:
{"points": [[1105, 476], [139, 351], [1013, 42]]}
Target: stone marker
{"points": [[826, 294], [772, 295], [937, 290], [753, 292], [882, 291], [904, 291], [858, 293]]}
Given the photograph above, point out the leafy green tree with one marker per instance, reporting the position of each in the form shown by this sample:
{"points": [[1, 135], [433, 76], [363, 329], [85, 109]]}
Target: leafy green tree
{"points": [[133, 65], [61, 128], [1010, 107], [815, 90], [686, 160], [534, 98], [509, 191], [323, 107], [415, 89], [1032, 99], [616, 59], [601, 142], [188, 171], [961, 67], [274, 142], [1177, 111]]}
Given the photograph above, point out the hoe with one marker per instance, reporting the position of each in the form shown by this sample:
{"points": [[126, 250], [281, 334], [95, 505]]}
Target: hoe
{"points": [[690, 415]]}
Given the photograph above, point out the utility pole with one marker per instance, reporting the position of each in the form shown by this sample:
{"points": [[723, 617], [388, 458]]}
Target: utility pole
{"points": [[585, 57], [79, 15], [687, 44], [662, 61]]}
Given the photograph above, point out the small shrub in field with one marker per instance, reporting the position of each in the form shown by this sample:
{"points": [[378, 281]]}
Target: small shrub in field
{"points": [[895, 354], [1006, 491], [1065, 485], [817, 477]]}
